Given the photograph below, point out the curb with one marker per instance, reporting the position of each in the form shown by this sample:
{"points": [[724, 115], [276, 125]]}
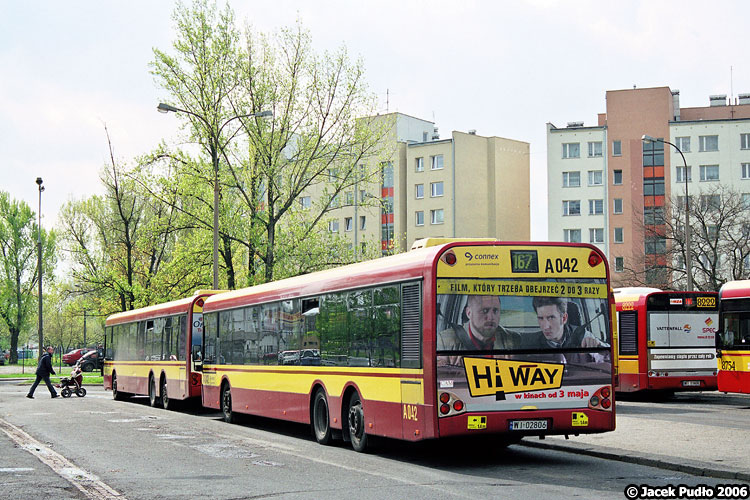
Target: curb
{"points": [[693, 467]]}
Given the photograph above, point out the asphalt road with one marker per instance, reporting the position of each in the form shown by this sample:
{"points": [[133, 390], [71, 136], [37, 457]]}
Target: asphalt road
{"points": [[95, 447]]}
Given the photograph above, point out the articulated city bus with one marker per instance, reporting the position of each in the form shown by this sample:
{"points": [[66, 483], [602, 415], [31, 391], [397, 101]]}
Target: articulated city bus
{"points": [[733, 340], [156, 351], [666, 340], [485, 338]]}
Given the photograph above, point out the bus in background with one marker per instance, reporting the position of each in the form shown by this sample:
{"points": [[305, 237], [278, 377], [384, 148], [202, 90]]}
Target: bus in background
{"points": [[666, 340], [733, 339], [156, 351], [491, 339]]}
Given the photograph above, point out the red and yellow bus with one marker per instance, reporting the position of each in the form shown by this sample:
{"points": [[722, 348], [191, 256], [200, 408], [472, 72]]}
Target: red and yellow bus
{"points": [[156, 351], [666, 340], [733, 340], [462, 338]]}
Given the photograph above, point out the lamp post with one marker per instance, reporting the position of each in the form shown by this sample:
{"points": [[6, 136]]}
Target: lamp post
{"points": [[688, 266], [214, 146], [39, 264]]}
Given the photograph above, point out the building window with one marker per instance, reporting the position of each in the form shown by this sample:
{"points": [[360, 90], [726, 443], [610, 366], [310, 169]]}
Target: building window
{"points": [[711, 231], [436, 216], [619, 264], [333, 175], [710, 202], [333, 226], [746, 201], [571, 150], [595, 149], [596, 207], [656, 245], [709, 172], [305, 202], [420, 191], [596, 178], [680, 177], [654, 216], [744, 141], [436, 189], [618, 206], [349, 197], [708, 143], [571, 179], [419, 164], [436, 162], [386, 169], [653, 154], [572, 207], [616, 148], [618, 235], [420, 218], [683, 144], [348, 226], [572, 235], [362, 195], [617, 177], [653, 186], [746, 170], [362, 222], [596, 235]]}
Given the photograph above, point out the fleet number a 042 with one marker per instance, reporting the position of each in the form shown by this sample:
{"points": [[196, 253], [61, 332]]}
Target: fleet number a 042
{"points": [[569, 265]]}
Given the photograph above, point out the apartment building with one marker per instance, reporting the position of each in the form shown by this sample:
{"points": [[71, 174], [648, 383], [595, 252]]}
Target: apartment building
{"points": [[606, 183], [464, 186]]}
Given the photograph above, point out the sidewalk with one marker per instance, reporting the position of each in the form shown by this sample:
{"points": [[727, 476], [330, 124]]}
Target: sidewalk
{"points": [[699, 449]]}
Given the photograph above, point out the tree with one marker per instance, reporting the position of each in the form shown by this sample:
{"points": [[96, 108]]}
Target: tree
{"points": [[19, 276], [719, 241], [125, 246], [314, 145]]}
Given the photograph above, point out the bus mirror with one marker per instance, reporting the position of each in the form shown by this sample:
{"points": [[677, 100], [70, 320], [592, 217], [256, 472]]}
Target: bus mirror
{"points": [[718, 353]]}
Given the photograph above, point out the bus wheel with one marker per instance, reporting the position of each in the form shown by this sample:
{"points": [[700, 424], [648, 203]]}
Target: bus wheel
{"points": [[164, 397], [226, 404], [116, 394], [320, 424], [356, 421], [152, 398]]}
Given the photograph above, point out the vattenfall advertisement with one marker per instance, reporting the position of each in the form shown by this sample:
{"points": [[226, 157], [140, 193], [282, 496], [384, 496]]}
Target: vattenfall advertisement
{"points": [[508, 339], [679, 341]]}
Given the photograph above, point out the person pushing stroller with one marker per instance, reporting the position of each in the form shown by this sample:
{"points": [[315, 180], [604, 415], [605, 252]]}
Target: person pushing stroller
{"points": [[72, 383]]}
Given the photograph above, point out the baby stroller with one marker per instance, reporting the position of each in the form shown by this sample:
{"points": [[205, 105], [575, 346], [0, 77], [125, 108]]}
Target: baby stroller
{"points": [[72, 384]]}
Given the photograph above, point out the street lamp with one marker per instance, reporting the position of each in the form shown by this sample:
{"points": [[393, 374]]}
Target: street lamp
{"points": [[39, 263], [688, 267], [213, 147]]}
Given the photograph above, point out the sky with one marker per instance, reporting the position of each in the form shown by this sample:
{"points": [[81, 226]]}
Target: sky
{"points": [[503, 68]]}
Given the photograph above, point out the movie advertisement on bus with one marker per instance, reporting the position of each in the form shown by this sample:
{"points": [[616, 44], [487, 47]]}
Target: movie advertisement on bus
{"points": [[506, 344]]}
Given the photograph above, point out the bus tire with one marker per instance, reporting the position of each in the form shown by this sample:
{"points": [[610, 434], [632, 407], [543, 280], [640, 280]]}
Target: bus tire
{"points": [[356, 423], [116, 394], [153, 399], [166, 403], [226, 404], [321, 425]]}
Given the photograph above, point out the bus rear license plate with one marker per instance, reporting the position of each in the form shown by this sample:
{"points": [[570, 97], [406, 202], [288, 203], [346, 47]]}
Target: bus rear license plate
{"points": [[528, 425], [691, 383]]}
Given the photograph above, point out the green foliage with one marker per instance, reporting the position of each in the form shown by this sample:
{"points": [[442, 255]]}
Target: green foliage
{"points": [[19, 237]]}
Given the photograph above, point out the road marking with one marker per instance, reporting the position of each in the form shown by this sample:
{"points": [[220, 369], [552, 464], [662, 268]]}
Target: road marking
{"points": [[86, 482]]}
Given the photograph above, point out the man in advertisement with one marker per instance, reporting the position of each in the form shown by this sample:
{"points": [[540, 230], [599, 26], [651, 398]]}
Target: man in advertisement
{"points": [[481, 332], [552, 315]]}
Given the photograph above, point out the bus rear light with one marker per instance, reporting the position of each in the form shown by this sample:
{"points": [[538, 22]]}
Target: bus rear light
{"points": [[600, 399], [606, 403], [458, 405], [445, 397], [594, 259], [651, 374], [444, 409], [605, 392], [594, 401], [450, 258]]}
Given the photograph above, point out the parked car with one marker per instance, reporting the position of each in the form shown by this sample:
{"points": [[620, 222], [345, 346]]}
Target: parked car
{"points": [[310, 357], [71, 357], [92, 360], [289, 358]]}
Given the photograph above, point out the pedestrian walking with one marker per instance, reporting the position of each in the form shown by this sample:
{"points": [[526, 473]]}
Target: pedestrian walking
{"points": [[43, 371]]}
